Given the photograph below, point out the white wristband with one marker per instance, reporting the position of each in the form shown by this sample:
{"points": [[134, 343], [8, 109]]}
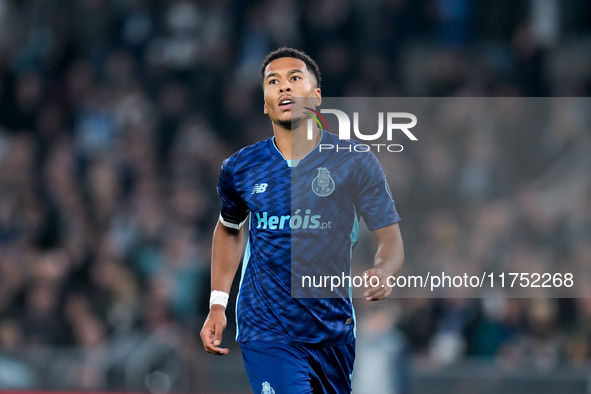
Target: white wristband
{"points": [[218, 297]]}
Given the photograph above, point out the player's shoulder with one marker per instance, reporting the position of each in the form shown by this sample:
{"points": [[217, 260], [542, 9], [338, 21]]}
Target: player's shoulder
{"points": [[249, 153]]}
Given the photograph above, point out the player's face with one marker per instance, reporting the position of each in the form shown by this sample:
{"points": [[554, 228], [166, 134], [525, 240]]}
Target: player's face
{"points": [[286, 79]]}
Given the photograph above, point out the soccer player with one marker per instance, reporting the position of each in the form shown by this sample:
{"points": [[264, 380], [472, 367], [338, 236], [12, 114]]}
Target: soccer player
{"points": [[303, 204]]}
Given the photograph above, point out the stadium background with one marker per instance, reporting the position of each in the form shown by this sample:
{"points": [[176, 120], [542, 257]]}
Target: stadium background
{"points": [[115, 116]]}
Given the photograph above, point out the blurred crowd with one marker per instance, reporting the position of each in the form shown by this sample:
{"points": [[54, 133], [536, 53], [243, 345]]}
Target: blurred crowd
{"points": [[115, 116]]}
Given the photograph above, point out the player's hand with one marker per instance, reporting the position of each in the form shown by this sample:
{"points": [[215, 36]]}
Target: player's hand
{"points": [[211, 333], [382, 290]]}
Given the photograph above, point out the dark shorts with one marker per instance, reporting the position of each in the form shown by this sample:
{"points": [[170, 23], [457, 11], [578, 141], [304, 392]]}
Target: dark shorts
{"points": [[274, 368]]}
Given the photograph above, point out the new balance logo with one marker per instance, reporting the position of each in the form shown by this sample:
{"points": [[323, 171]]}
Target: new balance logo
{"points": [[259, 188]]}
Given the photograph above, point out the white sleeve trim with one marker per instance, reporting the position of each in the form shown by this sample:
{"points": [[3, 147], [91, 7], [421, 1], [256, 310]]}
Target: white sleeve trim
{"points": [[232, 225]]}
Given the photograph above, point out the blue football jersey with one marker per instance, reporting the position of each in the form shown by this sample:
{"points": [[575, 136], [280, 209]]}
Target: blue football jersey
{"points": [[303, 220]]}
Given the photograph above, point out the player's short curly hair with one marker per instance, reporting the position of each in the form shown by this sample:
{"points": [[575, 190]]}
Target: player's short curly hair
{"points": [[296, 54]]}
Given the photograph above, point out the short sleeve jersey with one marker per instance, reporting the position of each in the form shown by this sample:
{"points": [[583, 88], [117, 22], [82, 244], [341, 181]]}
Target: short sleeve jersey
{"points": [[304, 215]]}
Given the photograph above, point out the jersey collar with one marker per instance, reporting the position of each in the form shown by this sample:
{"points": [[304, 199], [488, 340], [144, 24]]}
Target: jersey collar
{"points": [[294, 163]]}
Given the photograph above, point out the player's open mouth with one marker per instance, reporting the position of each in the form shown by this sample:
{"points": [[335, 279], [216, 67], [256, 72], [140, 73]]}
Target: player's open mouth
{"points": [[285, 103]]}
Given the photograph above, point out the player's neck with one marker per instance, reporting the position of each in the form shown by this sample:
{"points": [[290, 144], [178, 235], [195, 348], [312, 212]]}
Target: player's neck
{"points": [[293, 144]]}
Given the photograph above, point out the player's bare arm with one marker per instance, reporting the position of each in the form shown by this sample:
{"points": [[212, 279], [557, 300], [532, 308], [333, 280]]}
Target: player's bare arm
{"points": [[225, 258], [387, 262]]}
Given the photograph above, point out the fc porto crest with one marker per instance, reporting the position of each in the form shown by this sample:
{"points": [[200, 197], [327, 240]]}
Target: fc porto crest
{"points": [[267, 389], [323, 185]]}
